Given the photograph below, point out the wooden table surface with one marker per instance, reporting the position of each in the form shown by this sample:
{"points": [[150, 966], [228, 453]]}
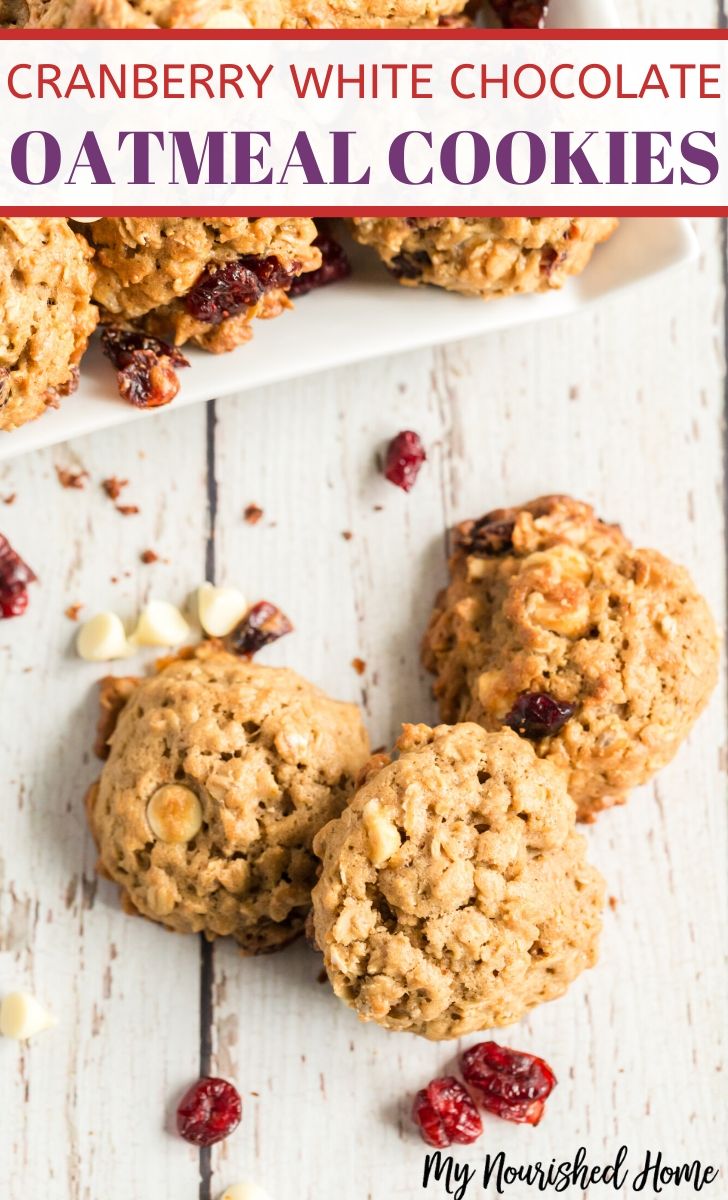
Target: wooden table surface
{"points": [[622, 405]]}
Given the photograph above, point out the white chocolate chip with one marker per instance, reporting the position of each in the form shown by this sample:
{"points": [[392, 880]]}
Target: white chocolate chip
{"points": [[160, 624], [245, 1191], [382, 835], [102, 638], [22, 1016], [220, 608], [174, 813]]}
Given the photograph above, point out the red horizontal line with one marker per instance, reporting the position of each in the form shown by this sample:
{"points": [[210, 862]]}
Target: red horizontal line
{"points": [[137, 210], [381, 35]]}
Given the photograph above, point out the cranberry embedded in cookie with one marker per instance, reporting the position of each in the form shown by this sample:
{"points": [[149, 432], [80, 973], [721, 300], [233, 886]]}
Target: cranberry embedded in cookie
{"points": [[200, 280]]}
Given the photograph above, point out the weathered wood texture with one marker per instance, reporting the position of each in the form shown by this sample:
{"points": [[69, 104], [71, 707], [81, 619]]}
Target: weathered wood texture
{"points": [[622, 405]]}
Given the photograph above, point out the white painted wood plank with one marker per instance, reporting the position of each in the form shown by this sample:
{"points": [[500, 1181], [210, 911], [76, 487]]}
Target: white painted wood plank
{"points": [[83, 1107]]}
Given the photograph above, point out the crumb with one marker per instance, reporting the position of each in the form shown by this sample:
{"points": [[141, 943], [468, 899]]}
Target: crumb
{"points": [[127, 510], [613, 902], [11, 498], [149, 556], [347, 535], [71, 477], [378, 508], [114, 579], [72, 611], [112, 486], [252, 514], [359, 665]]}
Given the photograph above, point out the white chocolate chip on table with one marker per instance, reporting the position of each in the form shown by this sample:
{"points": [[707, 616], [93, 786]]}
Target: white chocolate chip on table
{"points": [[220, 608], [160, 624], [22, 1016], [245, 1191], [103, 638]]}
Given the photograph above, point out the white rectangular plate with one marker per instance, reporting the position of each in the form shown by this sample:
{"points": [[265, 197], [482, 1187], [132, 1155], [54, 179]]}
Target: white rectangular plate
{"points": [[371, 315]]}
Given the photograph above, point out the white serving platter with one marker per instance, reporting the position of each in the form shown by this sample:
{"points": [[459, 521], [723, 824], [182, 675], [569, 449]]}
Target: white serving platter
{"points": [[371, 315], [364, 317]]}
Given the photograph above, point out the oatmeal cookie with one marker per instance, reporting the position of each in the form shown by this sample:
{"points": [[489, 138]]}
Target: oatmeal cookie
{"points": [[455, 895], [553, 623], [199, 279], [46, 315], [481, 256], [218, 776], [226, 14]]}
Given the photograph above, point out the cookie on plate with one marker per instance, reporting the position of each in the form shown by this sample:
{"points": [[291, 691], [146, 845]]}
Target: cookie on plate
{"points": [[46, 315], [455, 894], [601, 654], [199, 279], [482, 256], [219, 773], [226, 14]]}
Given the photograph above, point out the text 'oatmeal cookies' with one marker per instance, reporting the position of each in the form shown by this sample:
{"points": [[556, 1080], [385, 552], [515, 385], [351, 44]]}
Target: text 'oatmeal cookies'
{"points": [[602, 655], [46, 315], [484, 257], [219, 774], [455, 894]]}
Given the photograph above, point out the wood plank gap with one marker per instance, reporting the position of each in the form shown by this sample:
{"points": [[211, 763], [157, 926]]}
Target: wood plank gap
{"points": [[207, 960]]}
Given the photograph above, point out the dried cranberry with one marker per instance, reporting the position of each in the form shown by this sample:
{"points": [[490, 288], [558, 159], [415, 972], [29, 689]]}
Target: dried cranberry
{"points": [[486, 537], [510, 1084], [335, 265], [410, 264], [521, 14], [225, 289], [209, 1111], [145, 366], [445, 1113], [263, 623], [405, 456], [551, 258], [15, 575], [537, 715]]}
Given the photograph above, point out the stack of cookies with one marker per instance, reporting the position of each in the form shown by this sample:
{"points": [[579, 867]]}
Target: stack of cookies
{"points": [[445, 885]]}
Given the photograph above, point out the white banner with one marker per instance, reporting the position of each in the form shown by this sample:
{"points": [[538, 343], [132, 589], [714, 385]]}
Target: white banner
{"points": [[459, 121]]}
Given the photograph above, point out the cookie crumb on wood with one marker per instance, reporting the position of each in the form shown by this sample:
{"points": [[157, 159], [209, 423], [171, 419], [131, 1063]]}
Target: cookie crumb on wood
{"points": [[73, 611], [113, 486], [127, 510], [149, 556], [253, 514], [71, 477], [359, 665]]}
